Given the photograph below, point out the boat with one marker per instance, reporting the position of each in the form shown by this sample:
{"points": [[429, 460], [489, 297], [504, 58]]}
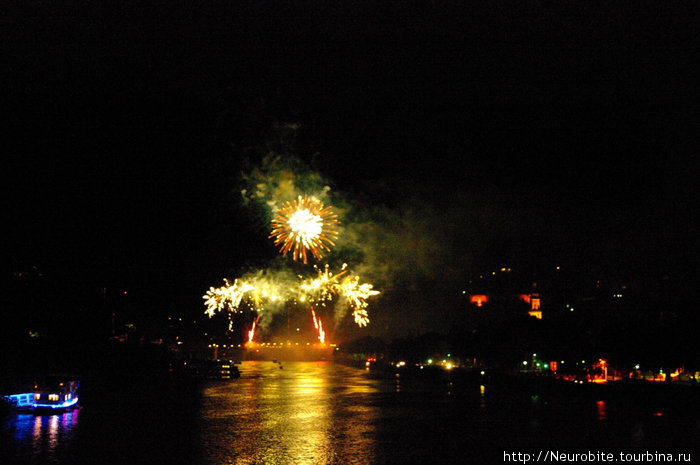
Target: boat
{"points": [[221, 369], [208, 369], [19, 402], [54, 394]]}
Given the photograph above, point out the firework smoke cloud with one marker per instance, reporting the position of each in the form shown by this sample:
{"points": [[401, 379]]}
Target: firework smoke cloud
{"points": [[297, 205]]}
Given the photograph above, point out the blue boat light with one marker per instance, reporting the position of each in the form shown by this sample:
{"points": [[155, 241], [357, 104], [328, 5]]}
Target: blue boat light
{"points": [[65, 404]]}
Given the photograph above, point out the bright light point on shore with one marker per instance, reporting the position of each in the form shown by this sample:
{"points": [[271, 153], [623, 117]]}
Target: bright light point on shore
{"points": [[636, 367], [525, 362]]}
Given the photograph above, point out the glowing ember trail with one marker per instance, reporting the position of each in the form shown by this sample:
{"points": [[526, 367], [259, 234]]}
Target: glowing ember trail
{"points": [[318, 324], [251, 333], [321, 332], [304, 224]]}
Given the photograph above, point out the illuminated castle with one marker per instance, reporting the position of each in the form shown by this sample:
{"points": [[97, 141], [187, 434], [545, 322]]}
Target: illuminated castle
{"points": [[500, 289]]}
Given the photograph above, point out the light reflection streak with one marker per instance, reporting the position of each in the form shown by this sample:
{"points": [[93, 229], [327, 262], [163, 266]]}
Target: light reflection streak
{"points": [[602, 410], [303, 414], [44, 435], [53, 432]]}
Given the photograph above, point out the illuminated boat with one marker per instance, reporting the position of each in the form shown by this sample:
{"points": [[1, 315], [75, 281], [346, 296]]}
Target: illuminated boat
{"points": [[221, 369], [55, 394], [210, 369], [19, 402]]}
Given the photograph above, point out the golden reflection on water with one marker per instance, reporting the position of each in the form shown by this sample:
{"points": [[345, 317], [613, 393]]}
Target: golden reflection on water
{"points": [[304, 413]]}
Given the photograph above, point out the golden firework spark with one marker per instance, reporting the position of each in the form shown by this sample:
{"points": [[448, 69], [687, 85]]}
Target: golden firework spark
{"points": [[259, 293], [229, 294], [304, 224], [357, 294], [323, 287], [326, 285]]}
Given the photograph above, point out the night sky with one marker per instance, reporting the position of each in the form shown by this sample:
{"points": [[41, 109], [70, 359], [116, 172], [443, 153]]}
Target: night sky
{"points": [[535, 134]]}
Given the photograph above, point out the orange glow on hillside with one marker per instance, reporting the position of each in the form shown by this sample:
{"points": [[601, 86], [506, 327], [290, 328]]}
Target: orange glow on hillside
{"points": [[532, 299], [478, 299]]}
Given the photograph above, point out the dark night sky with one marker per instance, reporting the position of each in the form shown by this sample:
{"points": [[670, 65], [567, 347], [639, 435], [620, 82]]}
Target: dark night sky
{"points": [[124, 126]]}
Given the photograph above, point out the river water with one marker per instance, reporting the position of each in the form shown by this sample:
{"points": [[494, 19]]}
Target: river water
{"points": [[326, 413]]}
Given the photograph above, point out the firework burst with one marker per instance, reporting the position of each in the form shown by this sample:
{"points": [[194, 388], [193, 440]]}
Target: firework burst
{"points": [[304, 225], [357, 295], [260, 294], [230, 294], [256, 294], [323, 287], [327, 285]]}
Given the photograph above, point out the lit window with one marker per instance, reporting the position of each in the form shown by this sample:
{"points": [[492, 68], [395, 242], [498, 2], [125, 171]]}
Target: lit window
{"points": [[53, 397], [37, 396]]}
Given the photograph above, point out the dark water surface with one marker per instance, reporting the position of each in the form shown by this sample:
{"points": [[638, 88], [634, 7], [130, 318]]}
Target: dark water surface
{"points": [[325, 413]]}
